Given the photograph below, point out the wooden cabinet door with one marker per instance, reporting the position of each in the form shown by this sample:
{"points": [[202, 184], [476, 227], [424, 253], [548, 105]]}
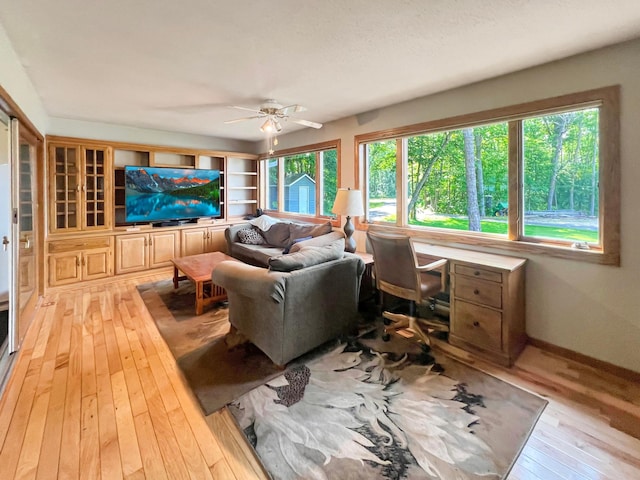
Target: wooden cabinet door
{"points": [[215, 240], [163, 247], [132, 253], [64, 188], [96, 188], [80, 188], [96, 263], [64, 268], [194, 241]]}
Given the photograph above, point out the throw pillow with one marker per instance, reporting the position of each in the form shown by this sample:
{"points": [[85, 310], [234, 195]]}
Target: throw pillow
{"points": [[278, 235], [297, 240], [307, 257], [250, 236]]}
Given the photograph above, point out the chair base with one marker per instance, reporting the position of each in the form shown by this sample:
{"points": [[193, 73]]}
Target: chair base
{"points": [[397, 321]]}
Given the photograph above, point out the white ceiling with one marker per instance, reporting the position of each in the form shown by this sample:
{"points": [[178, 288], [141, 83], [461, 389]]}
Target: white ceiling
{"points": [[177, 65]]}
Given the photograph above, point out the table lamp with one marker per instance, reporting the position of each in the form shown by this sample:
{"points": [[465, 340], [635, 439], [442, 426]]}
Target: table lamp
{"points": [[348, 202]]}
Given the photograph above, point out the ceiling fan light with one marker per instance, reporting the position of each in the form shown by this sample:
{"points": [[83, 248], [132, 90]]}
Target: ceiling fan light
{"points": [[267, 126], [277, 125]]}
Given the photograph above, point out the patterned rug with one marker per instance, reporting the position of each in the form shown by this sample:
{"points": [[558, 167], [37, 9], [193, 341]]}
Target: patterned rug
{"points": [[357, 413], [355, 409]]}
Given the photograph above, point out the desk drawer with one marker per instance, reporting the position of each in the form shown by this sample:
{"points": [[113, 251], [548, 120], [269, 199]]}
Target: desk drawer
{"points": [[477, 325], [480, 273], [478, 291]]}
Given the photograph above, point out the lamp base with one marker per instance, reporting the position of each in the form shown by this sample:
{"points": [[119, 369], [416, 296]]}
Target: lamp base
{"points": [[349, 241]]}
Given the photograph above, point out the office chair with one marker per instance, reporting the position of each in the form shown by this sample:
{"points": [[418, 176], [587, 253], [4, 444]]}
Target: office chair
{"points": [[397, 273]]}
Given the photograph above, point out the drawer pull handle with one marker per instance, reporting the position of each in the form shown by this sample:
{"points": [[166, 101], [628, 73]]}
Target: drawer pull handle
{"points": [[476, 273], [476, 291], [476, 323]]}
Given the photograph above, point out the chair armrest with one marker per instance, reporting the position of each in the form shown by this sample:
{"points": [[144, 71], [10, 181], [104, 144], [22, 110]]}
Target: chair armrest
{"points": [[249, 281], [432, 266]]}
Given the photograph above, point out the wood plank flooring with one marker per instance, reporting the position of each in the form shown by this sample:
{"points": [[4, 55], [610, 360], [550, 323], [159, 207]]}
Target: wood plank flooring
{"points": [[95, 393]]}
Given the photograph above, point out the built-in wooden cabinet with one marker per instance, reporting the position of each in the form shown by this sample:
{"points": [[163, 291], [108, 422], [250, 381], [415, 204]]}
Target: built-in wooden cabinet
{"points": [[142, 251], [202, 240], [80, 195], [87, 197], [76, 259]]}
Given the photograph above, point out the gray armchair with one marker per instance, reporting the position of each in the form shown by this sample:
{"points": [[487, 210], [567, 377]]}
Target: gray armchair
{"points": [[288, 313]]}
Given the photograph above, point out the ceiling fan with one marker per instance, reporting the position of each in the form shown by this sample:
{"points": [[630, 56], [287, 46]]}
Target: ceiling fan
{"points": [[273, 113]]}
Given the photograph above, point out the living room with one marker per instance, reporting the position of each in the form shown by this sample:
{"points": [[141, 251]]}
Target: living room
{"points": [[585, 308]]}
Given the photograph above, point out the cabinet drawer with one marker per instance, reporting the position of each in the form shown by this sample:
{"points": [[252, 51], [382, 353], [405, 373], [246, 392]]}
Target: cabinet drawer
{"points": [[478, 326], [480, 273], [75, 244], [478, 291]]}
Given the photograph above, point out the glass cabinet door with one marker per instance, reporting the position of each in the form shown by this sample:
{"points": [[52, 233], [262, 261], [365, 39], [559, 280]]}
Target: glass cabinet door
{"points": [[80, 186], [95, 187], [65, 188]]}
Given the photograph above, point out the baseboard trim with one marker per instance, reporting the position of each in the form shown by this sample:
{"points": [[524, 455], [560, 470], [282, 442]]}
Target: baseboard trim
{"points": [[586, 360]]}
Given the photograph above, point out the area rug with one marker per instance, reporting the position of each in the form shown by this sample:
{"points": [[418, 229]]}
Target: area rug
{"points": [[355, 409], [357, 413], [216, 373]]}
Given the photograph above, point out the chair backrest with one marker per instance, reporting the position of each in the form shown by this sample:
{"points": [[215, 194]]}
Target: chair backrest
{"points": [[395, 265]]}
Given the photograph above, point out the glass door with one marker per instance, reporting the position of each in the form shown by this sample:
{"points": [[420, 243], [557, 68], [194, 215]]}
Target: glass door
{"points": [[6, 247], [27, 189]]}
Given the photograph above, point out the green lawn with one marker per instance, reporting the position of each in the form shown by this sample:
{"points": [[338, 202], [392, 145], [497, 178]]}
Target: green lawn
{"points": [[492, 226]]}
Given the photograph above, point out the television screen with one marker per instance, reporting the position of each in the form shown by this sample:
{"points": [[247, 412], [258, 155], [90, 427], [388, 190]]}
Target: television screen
{"points": [[155, 194]]}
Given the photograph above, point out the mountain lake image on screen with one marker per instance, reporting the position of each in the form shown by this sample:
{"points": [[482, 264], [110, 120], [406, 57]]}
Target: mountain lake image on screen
{"points": [[156, 194]]}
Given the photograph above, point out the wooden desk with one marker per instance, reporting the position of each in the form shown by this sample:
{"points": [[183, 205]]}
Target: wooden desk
{"points": [[487, 315], [198, 268]]}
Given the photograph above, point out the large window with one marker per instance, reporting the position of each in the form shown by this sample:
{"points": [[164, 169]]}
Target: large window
{"points": [[542, 176], [302, 181]]}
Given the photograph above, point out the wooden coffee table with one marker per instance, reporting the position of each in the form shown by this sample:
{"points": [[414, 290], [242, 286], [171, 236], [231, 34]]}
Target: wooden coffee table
{"points": [[198, 268]]}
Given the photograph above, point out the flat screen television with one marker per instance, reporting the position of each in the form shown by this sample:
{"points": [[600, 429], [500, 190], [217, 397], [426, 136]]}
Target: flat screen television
{"points": [[164, 194]]}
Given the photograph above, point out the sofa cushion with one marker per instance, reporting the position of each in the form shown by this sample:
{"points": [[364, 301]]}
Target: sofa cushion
{"points": [[307, 257], [277, 235], [295, 240], [250, 236], [257, 255], [297, 230], [318, 241]]}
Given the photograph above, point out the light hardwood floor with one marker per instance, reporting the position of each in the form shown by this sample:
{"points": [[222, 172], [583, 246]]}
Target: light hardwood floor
{"points": [[95, 393]]}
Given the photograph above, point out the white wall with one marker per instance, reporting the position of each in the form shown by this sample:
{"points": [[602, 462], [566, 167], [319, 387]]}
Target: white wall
{"points": [[590, 309], [120, 133], [14, 80]]}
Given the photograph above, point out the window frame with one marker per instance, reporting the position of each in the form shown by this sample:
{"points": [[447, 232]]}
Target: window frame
{"points": [[607, 99], [316, 148]]}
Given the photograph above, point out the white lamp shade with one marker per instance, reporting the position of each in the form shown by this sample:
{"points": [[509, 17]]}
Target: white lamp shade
{"points": [[348, 202]]}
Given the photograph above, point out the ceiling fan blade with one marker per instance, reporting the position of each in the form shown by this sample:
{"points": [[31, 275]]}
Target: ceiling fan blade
{"points": [[306, 123], [243, 119], [289, 109], [245, 108]]}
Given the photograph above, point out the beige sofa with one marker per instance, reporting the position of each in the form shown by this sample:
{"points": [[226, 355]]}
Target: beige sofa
{"points": [[303, 300]]}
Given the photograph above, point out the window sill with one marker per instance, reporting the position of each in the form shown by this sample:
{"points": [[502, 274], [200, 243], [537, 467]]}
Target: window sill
{"points": [[592, 255]]}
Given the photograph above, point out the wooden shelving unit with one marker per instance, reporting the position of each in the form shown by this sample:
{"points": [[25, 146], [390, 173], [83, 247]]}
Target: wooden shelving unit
{"points": [[242, 187], [87, 208]]}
